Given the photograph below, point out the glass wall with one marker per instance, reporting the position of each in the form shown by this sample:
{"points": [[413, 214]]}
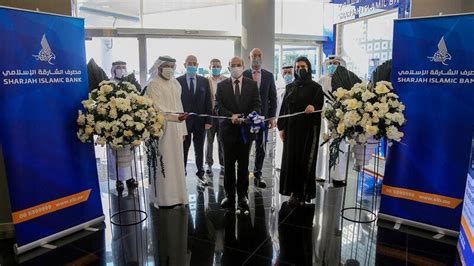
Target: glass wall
{"points": [[286, 54], [181, 48], [303, 17], [222, 15], [366, 43], [107, 50]]}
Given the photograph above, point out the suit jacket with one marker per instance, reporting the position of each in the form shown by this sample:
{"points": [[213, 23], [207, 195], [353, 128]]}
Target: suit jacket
{"points": [[226, 105], [267, 91], [200, 104]]}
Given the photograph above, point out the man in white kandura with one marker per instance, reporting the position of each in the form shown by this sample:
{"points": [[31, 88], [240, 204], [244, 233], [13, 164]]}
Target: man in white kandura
{"points": [[168, 186], [322, 165], [284, 78]]}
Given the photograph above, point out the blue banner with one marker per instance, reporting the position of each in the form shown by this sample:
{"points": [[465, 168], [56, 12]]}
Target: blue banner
{"points": [[433, 73], [52, 176], [466, 232]]}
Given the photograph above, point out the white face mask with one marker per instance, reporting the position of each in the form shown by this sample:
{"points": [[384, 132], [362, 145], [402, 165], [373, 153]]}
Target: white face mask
{"points": [[236, 72], [120, 73], [167, 72]]}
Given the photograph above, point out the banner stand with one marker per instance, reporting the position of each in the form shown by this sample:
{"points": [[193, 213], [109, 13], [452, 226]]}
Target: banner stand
{"points": [[423, 226], [51, 238]]}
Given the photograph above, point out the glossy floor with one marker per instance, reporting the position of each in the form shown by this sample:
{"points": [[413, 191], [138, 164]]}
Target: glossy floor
{"points": [[273, 233]]}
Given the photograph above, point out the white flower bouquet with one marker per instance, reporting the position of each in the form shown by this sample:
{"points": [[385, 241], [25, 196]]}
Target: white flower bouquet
{"points": [[119, 116], [362, 115]]}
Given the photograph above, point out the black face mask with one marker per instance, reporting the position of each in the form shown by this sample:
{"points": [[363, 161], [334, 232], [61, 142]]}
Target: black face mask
{"points": [[302, 73]]}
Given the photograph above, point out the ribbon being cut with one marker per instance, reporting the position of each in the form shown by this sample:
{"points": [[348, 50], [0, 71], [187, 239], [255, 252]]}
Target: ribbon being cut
{"points": [[254, 120]]}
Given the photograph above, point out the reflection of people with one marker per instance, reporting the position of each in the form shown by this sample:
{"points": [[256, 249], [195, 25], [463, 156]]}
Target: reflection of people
{"points": [[285, 78], [266, 87], [326, 230], [322, 166], [236, 96], [120, 171], [214, 78], [295, 235], [172, 227], [300, 134], [168, 184], [196, 98]]}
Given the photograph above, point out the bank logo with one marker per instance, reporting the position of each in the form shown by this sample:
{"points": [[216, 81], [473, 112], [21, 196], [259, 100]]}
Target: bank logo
{"points": [[442, 54], [45, 54]]}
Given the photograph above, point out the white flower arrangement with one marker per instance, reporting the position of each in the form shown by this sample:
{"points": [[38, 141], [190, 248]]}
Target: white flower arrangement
{"points": [[119, 116], [363, 113]]}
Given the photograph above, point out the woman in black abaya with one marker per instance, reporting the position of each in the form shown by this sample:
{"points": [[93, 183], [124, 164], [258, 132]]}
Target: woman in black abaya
{"points": [[300, 134]]}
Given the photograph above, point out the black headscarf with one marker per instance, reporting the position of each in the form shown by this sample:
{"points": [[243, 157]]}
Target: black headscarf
{"points": [[298, 80]]}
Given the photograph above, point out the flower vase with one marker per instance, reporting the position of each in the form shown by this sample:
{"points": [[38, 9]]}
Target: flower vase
{"points": [[124, 157], [363, 153]]}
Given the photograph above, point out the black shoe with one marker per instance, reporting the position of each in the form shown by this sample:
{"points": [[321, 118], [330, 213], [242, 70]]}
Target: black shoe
{"points": [[228, 202], [338, 183], [222, 172], [320, 180], [259, 182], [202, 180], [209, 170], [119, 186], [132, 184], [243, 202]]}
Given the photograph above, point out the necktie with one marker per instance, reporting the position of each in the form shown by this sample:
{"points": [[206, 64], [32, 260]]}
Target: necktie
{"points": [[256, 77], [237, 91], [191, 87]]}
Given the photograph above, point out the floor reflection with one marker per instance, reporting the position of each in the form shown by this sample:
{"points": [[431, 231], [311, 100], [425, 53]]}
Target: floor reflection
{"points": [[274, 233]]}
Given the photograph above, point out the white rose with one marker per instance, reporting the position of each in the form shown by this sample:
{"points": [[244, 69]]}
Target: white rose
{"points": [[393, 133], [351, 118], [385, 83], [102, 99], [136, 142], [401, 108], [81, 119], [381, 88], [394, 103], [367, 95], [339, 113], [368, 107], [352, 104], [88, 104], [139, 126], [113, 113], [383, 109], [128, 133], [340, 93], [326, 136], [101, 141], [361, 138], [371, 130], [341, 128]]}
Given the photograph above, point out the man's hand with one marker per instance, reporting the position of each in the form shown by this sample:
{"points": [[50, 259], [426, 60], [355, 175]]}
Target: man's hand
{"points": [[236, 119], [207, 126], [282, 135], [309, 109], [272, 123], [183, 117]]}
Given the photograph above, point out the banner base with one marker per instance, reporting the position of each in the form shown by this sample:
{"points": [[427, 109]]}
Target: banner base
{"points": [[432, 228], [38, 243]]}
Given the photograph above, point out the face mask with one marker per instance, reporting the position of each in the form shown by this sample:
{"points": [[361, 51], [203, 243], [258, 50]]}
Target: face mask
{"points": [[167, 72], [216, 71], [120, 73], [191, 70], [302, 73], [288, 78], [236, 72], [332, 69], [257, 62]]}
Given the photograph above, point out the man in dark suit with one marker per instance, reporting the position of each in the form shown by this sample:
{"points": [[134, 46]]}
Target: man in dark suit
{"points": [[268, 98], [235, 97], [196, 98]]}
